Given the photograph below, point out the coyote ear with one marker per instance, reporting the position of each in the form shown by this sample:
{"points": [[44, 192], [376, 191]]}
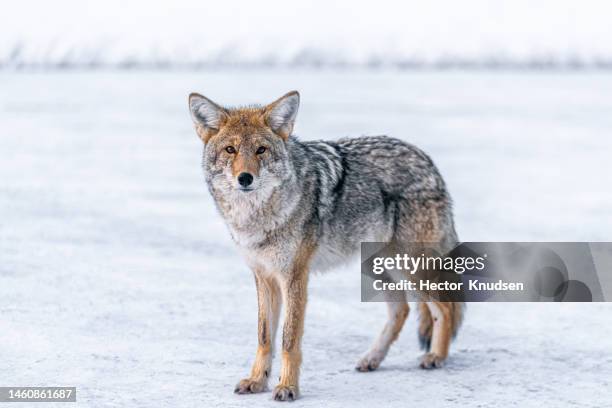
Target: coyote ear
{"points": [[207, 116], [280, 114]]}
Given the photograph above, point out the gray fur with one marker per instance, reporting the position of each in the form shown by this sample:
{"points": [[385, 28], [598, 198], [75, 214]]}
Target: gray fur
{"points": [[340, 193]]}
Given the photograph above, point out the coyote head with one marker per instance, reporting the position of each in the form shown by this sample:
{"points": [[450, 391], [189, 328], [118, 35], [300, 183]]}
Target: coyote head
{"points": [[245, 153]]}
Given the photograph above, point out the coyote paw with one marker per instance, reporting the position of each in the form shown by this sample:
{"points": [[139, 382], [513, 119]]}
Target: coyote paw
{"points": [[250, 386], [285, 393], [370, 362], [431, 360]]}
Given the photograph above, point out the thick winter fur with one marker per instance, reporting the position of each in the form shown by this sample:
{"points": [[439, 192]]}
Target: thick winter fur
{"points": [[308, 207]]}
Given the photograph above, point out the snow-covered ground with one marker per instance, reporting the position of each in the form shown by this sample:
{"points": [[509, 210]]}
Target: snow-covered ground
{"points": [[118, 277]]}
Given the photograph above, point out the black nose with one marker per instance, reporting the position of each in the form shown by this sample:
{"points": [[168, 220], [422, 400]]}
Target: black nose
{"points": [[245, 179]]}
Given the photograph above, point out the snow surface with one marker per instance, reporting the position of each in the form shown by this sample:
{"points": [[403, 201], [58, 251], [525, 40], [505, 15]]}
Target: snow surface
{"points": [[118, 277], [568, 33]]}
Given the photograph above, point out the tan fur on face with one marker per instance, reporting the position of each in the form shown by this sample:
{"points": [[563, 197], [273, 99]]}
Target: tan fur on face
{"points": [[245, 162], [211, 119], [242, 121], [244, 129]]}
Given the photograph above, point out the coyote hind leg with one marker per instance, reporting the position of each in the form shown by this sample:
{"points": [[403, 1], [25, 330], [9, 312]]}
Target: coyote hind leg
{"points": [[445, 320], [398, 312]]}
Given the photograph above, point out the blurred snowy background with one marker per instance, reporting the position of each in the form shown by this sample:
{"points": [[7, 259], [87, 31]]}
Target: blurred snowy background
{"points": [[436, 33], [117, 276]]}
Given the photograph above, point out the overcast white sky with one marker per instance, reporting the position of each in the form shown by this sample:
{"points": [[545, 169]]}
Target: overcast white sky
{"points": [[189, 30]]}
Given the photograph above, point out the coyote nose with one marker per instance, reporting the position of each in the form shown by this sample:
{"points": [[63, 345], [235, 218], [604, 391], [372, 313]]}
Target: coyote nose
{"points": [[245, 179]]}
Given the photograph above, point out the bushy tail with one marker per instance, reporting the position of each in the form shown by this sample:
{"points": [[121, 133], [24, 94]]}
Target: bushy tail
{"points": [[425, 329]]}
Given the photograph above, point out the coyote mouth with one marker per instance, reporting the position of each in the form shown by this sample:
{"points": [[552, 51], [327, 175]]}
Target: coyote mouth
{"points": [[245, 190]]}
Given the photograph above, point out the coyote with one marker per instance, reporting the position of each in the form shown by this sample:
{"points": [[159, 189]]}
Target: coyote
{"points": [[294, 206]]}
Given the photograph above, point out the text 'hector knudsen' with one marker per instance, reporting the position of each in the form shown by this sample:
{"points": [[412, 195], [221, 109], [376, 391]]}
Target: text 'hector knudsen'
{"points": [[459, 265]]}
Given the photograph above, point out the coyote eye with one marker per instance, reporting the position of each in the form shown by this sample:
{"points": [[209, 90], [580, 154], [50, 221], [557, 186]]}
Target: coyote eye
{"points": [[261, 150], [230, 149]]}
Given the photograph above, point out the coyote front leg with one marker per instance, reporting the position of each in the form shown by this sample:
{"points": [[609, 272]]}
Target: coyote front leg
{"points": [[294, 294], [268, 300]]}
